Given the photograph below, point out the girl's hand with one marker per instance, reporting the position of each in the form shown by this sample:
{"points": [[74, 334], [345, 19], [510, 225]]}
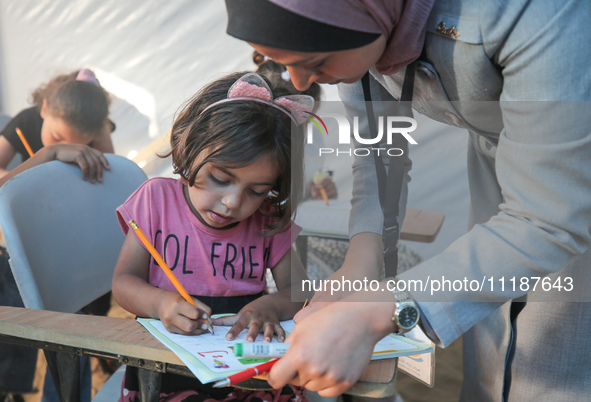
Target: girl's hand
{"points": [[257, 318], [328, 185], [181, 317], [91, 161], [131, 278]]}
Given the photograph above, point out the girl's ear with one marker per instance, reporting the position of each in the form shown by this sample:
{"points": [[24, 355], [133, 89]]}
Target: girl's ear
{"points": [[44, 108]]}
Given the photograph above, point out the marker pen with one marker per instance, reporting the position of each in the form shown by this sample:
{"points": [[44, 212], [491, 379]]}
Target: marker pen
{"points": [[260, 349]]}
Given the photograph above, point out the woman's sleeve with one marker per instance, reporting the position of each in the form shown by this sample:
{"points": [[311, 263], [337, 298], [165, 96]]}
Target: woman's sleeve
{"points": [[543, 168]]}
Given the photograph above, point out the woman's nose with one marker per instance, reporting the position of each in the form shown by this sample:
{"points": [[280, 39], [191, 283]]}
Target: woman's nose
{"points": [[302, 78]]}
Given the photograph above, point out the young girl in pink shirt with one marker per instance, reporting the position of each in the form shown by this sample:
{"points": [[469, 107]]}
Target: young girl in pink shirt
{"points": [[237, 147]]}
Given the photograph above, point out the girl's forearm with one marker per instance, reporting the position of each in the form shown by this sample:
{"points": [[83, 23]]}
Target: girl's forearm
{"points": [[104, 144], [137, 296], [42, 156]]}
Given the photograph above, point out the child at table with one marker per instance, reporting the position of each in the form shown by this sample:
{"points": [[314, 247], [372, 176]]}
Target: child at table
{"points": [[220, 225], [68, 122]]}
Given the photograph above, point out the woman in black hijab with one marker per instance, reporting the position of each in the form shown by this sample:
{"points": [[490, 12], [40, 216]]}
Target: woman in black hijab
{"points": [[479, 66]]}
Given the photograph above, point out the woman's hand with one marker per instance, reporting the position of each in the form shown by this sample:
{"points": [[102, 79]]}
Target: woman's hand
{"points": [[331, 347], [91, 161], [258, 316], [181, 317]]}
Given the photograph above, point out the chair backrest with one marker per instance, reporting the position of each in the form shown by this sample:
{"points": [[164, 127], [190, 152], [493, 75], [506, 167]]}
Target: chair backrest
{"points": [[62, 233]]}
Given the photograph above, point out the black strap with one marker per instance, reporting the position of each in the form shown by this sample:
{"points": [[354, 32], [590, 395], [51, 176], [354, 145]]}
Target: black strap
{"points": [[379, 162], [390, 184]]}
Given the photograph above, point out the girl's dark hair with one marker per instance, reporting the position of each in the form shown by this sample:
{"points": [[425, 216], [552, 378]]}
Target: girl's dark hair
{"points": [[237, 134], [81, 104]]}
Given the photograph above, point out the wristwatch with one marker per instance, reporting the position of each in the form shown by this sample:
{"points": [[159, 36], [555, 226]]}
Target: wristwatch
{"points": [[406, 314]]}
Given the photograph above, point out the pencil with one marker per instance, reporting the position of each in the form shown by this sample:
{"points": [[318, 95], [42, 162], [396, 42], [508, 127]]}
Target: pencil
{"points": [[24, 141], [246, 374], [165, 268], [318, 179], [323, 194]]}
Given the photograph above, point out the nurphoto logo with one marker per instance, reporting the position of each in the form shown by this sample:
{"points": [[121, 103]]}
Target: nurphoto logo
{"points": [[388, 127], [314, 116]]}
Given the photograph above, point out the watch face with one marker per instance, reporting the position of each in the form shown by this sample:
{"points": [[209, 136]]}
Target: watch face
{"points": [[408, 317]]}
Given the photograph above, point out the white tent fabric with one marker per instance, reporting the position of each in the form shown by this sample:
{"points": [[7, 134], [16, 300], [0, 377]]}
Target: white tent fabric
{"points": [[153, 56]]}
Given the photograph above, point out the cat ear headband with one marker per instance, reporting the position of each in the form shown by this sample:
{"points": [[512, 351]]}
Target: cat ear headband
{"points": [[87, 75], [252, 87]]}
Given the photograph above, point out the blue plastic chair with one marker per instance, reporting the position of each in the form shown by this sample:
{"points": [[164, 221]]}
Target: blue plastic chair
{"points": [[63, 237], [62, 233]]}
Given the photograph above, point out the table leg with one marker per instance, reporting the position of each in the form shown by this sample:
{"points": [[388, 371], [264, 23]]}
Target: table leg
{"points": [[149, 382], [65, 372]]}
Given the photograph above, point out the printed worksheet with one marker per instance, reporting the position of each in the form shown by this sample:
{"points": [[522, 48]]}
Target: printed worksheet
{"points": [[211, 357]]}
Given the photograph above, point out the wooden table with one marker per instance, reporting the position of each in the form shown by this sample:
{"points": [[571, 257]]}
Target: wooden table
{"points": [[64, 337]]}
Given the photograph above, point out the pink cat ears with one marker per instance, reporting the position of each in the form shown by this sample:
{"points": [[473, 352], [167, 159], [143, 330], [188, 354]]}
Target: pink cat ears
{"points": [[87, 75], [252, 87]]}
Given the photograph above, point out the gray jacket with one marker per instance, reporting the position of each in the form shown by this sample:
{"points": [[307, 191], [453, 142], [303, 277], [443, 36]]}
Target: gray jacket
{"points": [[517, 75]]}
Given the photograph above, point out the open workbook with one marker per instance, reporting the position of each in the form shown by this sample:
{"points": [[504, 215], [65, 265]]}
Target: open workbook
{"points": [[211, 357]]}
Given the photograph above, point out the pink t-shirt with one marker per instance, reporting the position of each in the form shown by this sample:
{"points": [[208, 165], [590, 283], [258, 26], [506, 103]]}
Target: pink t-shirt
{"points": [[208, 262]]}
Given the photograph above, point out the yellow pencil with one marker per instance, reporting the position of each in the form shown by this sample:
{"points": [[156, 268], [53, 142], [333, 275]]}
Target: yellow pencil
{"points": [[323, 194], [318, 179], [165, 268], [24, 141]]}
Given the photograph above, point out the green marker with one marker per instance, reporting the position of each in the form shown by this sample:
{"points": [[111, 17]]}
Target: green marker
{"points": [[260, 349]]}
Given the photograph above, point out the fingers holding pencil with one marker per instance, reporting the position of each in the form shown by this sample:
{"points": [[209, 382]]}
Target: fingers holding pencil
{"points": [[181, 317], [178, 286]]}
